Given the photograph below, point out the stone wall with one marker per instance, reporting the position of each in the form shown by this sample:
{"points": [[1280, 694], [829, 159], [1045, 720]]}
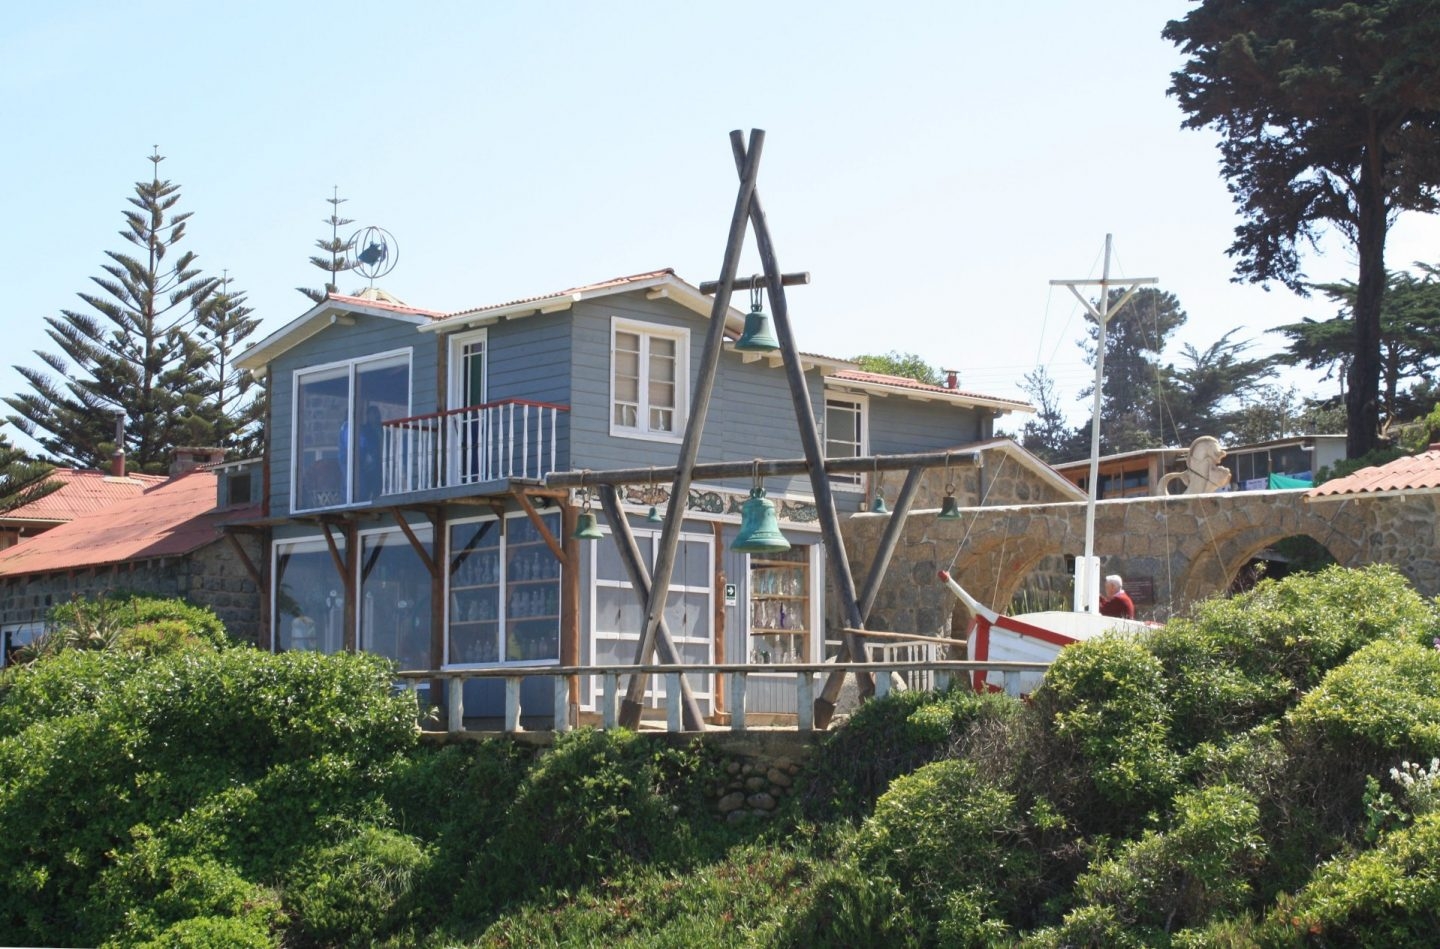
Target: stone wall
{"points": [[212, 577]]}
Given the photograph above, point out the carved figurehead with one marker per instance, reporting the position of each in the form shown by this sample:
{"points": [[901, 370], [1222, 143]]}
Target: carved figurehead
{"points": [[1203, 472]]}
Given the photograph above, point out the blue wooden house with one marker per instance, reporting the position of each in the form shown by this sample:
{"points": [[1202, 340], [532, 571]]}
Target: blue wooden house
{"points": [[405, 466]]}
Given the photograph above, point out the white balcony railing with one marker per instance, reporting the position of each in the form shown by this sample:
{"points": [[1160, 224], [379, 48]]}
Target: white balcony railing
{"points": [[513, 438]]}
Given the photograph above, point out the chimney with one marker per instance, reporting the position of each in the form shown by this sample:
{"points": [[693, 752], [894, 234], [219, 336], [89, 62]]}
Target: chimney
{"points": [[952, 378], [117, 460], [187, 459]]}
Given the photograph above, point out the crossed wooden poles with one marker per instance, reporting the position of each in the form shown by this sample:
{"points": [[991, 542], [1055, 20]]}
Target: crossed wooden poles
{"points": [[653, 590]]}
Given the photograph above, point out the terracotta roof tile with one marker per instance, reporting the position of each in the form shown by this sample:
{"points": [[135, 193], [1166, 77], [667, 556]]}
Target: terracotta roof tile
{"points": [[84, 491], [587, 288], [904, 382], [1412, 473], [168, 519]]}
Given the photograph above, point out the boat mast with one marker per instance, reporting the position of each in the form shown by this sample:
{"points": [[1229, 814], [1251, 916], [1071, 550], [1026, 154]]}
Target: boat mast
{"points": [[1087, 570]]}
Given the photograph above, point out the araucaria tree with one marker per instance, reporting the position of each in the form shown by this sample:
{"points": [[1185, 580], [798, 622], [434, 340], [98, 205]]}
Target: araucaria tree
{"points": [[232, 406], [334, 258], [1329, 116], [22, 480], [135, 354]]}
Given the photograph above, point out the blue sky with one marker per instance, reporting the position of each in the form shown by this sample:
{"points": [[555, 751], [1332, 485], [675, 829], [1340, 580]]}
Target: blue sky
{"points": [[933, 165]]}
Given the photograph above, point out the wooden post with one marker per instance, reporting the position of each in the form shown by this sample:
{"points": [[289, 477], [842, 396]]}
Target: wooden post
{"points": [[640, 580], [694, 428], [836, 557]]}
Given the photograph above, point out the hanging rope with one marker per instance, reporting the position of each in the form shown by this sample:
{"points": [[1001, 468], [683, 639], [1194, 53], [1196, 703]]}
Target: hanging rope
{"points": [[976, 514]]}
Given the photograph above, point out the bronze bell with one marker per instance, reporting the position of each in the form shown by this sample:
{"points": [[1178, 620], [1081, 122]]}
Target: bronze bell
{"points": [[949, 509], [758, 336], [586, 527], [759, 531]]}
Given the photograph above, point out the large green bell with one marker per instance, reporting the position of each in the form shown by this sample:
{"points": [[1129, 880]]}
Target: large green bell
{"points": [[949, 509], [586, 527], [759, 532], [758, 336]]}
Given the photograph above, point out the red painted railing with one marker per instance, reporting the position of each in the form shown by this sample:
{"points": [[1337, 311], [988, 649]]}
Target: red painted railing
{"points": [[512, 438]]}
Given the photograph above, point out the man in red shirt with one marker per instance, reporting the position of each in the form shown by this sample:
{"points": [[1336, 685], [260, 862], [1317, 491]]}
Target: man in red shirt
{"points": [[1116, 602]]}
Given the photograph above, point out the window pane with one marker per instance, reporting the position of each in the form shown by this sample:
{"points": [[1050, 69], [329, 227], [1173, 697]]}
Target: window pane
{"points": [[321, 413], [395, 599], [382, 393], [309, 599], [474, 605], [662, 420]]}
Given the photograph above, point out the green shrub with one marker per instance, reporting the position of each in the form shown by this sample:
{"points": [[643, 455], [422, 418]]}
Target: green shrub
{"points": [[849, 905], [1237, 662], [1384, 703], [235, 755], [1195, 871], [889, 737], [1097, 745], [161, 897], [132, 621], [955, 843], [350, 892], [1386, 897], [595, 803]]}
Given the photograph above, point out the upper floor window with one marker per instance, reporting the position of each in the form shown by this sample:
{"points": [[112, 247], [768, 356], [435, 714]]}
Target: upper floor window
{"points": [[337, 440], [648, 366], [845, 435], [467, 369]]}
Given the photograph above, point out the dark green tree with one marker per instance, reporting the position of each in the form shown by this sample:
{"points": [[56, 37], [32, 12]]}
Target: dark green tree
{"points": [[1047, 435], [1409, 339], [22, 479], [1135, 387], [334, 256], [1329, 117], [908, 365], [231, 407], [1208, 394], [133, 355]]}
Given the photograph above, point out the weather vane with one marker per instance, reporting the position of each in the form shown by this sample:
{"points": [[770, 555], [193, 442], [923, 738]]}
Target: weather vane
{"points": [[377, 253]]}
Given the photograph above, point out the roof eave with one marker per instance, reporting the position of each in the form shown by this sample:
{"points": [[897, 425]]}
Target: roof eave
{"points": [[960, 399], [328, 313]]}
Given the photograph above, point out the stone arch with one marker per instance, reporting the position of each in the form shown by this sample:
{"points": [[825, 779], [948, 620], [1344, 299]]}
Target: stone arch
{"points": [[1214, 567]]}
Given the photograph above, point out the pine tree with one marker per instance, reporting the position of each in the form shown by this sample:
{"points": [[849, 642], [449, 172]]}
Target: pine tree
{"points": [[1135, 388], [1047, 435], [230, 407], [22, 480], [133, 355], [338, 250]]}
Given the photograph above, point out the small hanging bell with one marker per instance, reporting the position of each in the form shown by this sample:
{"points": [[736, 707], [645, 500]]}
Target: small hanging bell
{"points": [[654, 516], [586, 527], [949, 507], [877, 506], [758, 336], [759, 531]]}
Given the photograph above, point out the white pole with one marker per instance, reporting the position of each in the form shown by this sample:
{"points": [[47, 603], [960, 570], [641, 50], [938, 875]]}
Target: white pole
{"points": [[1087, 569]]}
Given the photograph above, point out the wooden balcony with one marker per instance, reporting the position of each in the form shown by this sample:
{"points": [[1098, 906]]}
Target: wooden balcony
{"points": [[474, 445]]}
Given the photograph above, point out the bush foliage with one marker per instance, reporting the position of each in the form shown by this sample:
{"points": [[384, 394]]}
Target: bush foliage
{"points": [[1257, 773]]}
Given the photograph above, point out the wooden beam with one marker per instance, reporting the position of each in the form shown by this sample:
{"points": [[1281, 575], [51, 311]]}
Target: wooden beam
{"points": [[431, 565], [708, 287], [541, 527], [245, 561], [960, 457]]}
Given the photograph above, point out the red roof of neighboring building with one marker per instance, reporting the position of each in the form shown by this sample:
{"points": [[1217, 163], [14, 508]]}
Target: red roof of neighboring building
{"points": [[904, 382], [84, 491], [175, 517], [1417, 473]]}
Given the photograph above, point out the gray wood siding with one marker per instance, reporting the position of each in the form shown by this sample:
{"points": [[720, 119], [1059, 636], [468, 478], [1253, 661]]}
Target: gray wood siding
{"points": [[530, 359], [900, 426], [750, 413], [368, 335]]}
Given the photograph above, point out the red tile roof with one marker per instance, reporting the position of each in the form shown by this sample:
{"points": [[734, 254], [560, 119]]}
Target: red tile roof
{"points": [[1418, 473], [904, 382], [375, 304], [588, 288], [175, 517], [84, 491]]}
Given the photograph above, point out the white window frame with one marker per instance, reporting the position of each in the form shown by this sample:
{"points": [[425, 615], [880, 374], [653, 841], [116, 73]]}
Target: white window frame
{"points": [[502, 582], [352, 367], [849, 482], [456, 398], [648, 541], [308, 544], [646, 332]]}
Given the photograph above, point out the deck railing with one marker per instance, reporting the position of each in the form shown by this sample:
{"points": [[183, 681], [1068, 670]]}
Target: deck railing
{"points": [[938, 672], [512, 438]]}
